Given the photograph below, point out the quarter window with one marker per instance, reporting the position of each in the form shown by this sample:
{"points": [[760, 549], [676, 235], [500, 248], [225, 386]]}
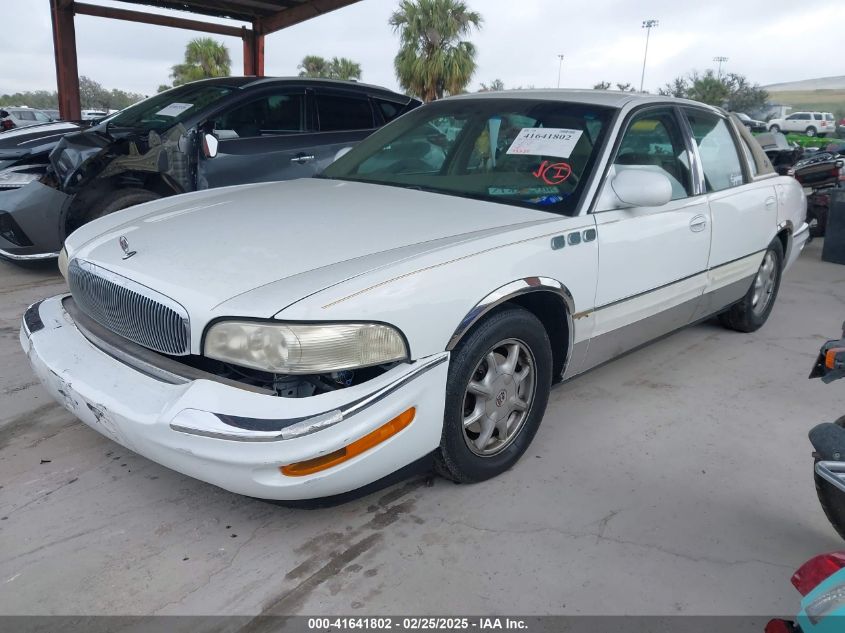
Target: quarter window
{"points": [[267, 116], [716, 146], [653, 141], [337, 112], [389, 109]]}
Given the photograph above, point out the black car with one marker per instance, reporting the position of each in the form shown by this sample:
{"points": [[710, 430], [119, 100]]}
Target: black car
{"points": [[209, 133], [752, 124]]}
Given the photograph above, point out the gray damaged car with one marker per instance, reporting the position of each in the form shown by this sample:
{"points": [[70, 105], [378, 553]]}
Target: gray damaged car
{"points": [[209, 133]]}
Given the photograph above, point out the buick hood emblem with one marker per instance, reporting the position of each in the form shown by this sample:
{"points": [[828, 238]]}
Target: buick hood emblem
{"points": [[124, 244]]}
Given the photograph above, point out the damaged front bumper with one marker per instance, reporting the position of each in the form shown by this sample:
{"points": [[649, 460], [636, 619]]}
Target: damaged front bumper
{"points": [[31, 222], [230, 436]]}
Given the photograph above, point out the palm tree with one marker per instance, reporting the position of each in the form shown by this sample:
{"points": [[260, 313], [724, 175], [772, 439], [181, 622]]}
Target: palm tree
{"points": [[344, 68], [433, 60], [313, 66], [204, 57]]}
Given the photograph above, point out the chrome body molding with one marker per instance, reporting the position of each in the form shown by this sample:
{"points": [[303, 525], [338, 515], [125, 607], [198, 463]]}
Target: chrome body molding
{"points": [[233, 428], [27, 258], [515, 289], [804, 229]]}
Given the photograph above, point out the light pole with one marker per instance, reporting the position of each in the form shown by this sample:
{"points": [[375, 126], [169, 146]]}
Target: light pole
{"points": [[647, 25], [720, 59], [559, 68]]}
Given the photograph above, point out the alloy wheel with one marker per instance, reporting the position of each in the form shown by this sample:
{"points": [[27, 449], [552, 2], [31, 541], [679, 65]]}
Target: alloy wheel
{"points": [[764, 284], [499, 397]]}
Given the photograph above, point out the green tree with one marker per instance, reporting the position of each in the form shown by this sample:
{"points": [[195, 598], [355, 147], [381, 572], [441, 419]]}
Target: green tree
{"points": [[337, 68], [204, 57], [626, 87], [744, 96], [602, 85], [733, 92], [496, 85], [433, 59]]}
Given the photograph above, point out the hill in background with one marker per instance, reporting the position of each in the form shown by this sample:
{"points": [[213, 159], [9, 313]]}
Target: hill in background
{"points": [[821, 83]]}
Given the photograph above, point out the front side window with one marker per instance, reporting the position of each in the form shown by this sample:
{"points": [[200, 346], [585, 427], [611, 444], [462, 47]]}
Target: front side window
{"points": [[269, 115], [793, 117], [339, 112], [40, 116], [532, 153], [719, 156], [26, 115], [653, 141]]}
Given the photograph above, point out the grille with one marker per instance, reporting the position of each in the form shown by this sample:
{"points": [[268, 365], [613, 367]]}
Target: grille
{"points": [[129, 309]]}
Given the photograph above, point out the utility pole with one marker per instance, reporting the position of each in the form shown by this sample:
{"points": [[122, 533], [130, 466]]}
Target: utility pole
{"points": [[559, 68], [720, 60], [647, 25]]}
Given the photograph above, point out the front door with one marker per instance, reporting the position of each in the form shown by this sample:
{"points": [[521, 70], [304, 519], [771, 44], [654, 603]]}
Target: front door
{"points": [[264, 139], [652, 260]]}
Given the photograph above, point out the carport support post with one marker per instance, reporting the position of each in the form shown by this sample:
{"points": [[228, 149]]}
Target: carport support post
{"points": [[253, 52], [64, 47]]}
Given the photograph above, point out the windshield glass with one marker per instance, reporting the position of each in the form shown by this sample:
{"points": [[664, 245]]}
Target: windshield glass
{"points": [[532, 153], [169, 108]]}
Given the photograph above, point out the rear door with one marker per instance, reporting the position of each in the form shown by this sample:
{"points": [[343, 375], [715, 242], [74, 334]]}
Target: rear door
{"points": [[265, 138], [343, 119], [743, 209]]}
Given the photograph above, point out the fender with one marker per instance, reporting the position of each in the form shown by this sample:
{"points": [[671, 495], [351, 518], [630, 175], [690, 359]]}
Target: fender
{"points": [[515, 289]]}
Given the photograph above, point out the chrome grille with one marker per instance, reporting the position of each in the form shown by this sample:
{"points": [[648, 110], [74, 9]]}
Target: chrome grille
{"points": [[129, 309]]}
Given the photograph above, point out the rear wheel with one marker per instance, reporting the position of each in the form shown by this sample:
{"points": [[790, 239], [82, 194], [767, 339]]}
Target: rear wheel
{"points": [[810, 131], [496, 395], [752, 311]]}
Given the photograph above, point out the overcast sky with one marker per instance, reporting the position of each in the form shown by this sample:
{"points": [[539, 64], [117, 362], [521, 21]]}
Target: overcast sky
{"points": [[770, 41]]}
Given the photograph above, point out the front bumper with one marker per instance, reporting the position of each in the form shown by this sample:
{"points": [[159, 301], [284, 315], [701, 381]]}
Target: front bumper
{"points": [[31, 222], [180, 425]]}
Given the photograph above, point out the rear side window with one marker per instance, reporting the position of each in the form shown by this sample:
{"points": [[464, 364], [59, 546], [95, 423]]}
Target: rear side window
{"points": [[719, 157], [817, 116], [389, 109], [270, 115], [340, 112]]}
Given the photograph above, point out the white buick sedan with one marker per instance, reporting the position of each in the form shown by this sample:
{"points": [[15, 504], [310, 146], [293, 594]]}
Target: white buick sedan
{"points": [[304, 339]]}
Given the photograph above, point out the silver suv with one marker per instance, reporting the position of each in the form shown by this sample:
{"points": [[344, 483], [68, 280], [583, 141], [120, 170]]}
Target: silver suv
{"points": [[21, 117]]}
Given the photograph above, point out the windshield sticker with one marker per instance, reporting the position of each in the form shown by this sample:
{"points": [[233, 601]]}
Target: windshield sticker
{"points": [[522, 191], [174, 109], [545, 141], [553, 173]]}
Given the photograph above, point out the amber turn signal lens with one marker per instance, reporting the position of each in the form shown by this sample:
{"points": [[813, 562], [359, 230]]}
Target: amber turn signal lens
{"points": [[830, 357], [357, 447]]}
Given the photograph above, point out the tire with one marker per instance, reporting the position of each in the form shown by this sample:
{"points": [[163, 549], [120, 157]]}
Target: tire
{"points": [[465, 455], [748, 315], [120, 199], [831, 499], [810, 131], [774, 129]]}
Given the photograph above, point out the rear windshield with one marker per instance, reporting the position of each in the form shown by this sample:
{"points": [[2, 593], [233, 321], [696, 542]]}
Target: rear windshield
{"points": [[531, 153], [168, 108]]}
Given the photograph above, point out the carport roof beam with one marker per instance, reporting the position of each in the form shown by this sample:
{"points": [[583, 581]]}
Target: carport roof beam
{"points": [[158, 20]]}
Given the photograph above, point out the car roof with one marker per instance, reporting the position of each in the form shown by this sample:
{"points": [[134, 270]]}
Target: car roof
{"points": [[252, 81], [609, 98]]}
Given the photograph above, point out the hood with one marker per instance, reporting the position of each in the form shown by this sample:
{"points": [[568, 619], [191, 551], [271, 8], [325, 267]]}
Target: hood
{"points": [[31, 141], [206, 248]]}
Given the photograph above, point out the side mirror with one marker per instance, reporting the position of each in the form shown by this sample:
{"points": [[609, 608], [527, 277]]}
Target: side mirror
{"points": [[3, 114], [210, 144], [341, 153], [641, 188]]}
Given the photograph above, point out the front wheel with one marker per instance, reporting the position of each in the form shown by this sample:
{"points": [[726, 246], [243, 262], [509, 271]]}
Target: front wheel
{"points": [[496, 395], [751, 312], [774, 129]]}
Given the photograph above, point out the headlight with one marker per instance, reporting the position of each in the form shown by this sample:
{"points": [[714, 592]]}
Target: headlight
{"points": [[63, 262], [289, 348], [16, 177]]}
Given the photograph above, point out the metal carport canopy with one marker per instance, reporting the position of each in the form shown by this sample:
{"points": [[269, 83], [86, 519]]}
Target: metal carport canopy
{"points": [[265, 16]]}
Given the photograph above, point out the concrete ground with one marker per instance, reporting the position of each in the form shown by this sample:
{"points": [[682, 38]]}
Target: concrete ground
{"points": [[677, 480]]}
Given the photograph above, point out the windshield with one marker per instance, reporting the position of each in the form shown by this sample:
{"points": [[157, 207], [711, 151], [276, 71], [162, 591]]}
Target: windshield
{"points": [[169, 108], [532, 153]]}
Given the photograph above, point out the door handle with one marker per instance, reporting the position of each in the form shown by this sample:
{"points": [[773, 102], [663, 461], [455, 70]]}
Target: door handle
{"points": [[698, 224], [301, 159], [770, 201]]}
